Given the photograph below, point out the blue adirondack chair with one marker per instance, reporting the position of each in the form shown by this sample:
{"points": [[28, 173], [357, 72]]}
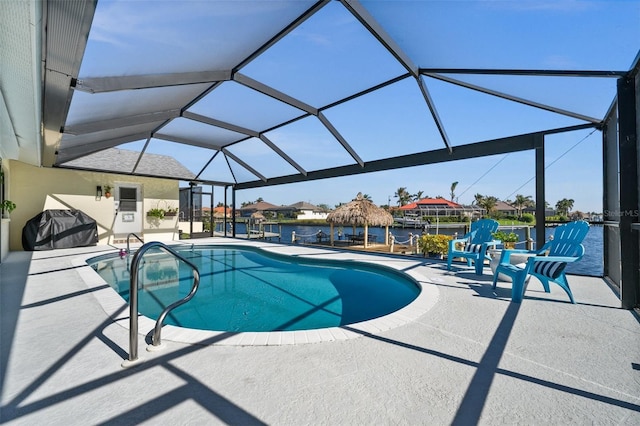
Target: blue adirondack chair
{"points": [[565, 247], [476, 242]]}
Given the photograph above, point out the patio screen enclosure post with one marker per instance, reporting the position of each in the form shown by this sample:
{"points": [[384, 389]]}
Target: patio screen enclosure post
{"points": [[628, 109]]}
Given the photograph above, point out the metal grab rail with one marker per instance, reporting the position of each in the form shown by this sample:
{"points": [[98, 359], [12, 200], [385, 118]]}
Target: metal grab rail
{"points": [[133, 299], [129, 237]]}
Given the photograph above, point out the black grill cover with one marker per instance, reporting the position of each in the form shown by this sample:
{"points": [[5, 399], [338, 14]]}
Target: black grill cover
{"points": [[53, 229]]}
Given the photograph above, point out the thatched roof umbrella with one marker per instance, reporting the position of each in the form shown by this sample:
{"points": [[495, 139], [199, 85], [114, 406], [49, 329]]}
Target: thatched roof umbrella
{"points": [[360, 212], [258, 217], [254, 227]]}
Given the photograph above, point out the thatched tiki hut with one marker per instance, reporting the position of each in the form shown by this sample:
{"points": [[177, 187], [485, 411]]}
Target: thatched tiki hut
{"points": [[361, 212]]}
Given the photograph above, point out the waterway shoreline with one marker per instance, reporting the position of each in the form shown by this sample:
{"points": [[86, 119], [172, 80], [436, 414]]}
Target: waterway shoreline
{"points": [[592, 264]]}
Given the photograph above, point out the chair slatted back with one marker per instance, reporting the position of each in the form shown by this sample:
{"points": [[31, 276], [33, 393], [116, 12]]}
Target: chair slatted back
{"points": [[482, 230], [567, 239]]}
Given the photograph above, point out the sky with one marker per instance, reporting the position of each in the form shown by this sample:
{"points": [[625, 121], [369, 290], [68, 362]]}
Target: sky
{"points": [[330, 56]]}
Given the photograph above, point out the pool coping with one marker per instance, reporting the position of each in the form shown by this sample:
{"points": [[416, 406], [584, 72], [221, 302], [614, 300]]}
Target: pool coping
{"points": [[115, 307]]}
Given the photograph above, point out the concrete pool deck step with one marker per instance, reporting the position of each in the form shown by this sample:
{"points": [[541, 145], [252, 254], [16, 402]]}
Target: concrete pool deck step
{"points": [[472, 358]]}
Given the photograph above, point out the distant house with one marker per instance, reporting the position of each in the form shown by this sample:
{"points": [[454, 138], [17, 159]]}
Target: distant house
{"points": [[303, 210], [438, 207], [505, 209], [259, 207], [218, 212], [547, 212]]}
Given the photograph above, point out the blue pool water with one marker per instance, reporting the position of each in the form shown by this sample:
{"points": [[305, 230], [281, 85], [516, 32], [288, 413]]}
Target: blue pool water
{"points": [[248, 289]]}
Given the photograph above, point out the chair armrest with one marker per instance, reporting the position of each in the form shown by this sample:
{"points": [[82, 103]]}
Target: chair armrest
{"points": [[453, 242], [567, 259], [458, 240], [505, 257]]}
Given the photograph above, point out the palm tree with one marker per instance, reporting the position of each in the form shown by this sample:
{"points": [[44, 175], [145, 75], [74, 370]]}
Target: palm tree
{"points": [[564, 206], [453, 190], [521, 202], [489, 204], [367, 197], [418, 196], [486, 202], [403, 196]]}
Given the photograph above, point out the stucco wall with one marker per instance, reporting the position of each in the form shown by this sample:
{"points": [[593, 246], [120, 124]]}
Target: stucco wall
{"points": [[35, 189]]}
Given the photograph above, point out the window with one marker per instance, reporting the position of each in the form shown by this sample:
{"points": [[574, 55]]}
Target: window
{"points": [[128, 199]]}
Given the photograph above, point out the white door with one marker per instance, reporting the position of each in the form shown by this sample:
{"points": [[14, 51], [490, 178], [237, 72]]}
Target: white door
{"points": [[128, 209]]}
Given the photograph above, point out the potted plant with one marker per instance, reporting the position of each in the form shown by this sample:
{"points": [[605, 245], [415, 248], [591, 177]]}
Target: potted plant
{"points": [[107, 190], [171, 211], [7, 207], [156, 213], [509, 240], [434, 245]]}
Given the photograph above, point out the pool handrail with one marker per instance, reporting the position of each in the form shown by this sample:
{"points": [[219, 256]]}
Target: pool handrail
{"points": [[129, 237], [133, 299]]}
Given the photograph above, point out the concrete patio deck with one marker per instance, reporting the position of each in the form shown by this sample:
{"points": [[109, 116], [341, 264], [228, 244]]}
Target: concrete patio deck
{"points": [[472, 357]]}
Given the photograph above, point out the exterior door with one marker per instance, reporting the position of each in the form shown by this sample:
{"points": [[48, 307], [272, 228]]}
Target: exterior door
{"points": [[128, 209]]}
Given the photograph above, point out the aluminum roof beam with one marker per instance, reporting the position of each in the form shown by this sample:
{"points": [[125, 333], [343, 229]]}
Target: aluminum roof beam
{"points": [[282, 97], [340, 139], [293, 25], [282, 154], [434, 112], [134, 82], [530, 72], [514, 98], [83, 149], [273, 93], [186, 141], [462, 152], [381, 35], [243, 164], [62, 55], [221, 124], [114, 123]]}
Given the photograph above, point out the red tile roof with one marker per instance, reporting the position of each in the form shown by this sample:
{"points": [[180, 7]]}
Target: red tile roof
{"points": [[431, 202]]}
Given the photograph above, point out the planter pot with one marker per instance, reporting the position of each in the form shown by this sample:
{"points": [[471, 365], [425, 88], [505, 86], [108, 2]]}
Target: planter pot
{"points": [[515, 259], [509, 244]]}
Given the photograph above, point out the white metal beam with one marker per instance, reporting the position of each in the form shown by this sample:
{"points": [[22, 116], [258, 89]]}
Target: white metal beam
{"points": [[219, 123], [243, 164], [340, 139], [116, 123], [133, 82], [275, 94], [513, 98], [282, 154]]}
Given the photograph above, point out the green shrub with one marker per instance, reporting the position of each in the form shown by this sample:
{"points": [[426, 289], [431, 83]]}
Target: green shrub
{"points": [[511, 237], [438, 244], [528, 218]]}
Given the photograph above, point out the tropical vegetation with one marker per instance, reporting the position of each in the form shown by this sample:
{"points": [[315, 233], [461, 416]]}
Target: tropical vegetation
{"points": [[564, 206], [506, 237], [7, 206], [434, 244], [488, 203]]}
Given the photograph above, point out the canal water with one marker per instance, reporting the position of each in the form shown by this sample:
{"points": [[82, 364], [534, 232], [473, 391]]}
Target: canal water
{"points": [[591, 264]]}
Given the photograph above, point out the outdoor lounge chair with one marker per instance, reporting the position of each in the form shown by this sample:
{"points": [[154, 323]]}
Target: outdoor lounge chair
{"points": [[565, 246], [476, 242]]}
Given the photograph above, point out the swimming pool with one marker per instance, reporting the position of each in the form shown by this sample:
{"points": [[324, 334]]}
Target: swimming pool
{"points": [[245, 289]]}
